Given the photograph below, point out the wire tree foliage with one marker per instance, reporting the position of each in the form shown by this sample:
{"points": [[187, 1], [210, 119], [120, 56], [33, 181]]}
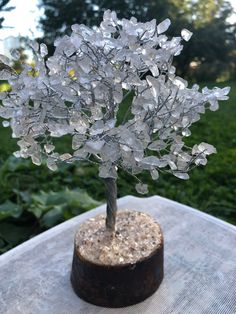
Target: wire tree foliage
{"points": [[79, 90]]}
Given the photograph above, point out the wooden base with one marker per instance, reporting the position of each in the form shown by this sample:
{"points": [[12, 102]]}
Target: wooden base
{"points": [[117, 285]]}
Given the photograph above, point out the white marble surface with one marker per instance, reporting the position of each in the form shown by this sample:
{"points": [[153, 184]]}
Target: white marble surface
{"points": [[200, 266]]}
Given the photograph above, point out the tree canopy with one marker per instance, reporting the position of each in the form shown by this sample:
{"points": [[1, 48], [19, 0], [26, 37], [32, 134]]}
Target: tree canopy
{"points": [[80, 89], [212, 45]]}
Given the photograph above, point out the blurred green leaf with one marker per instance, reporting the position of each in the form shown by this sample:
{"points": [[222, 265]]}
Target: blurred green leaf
{"points": [[54, 207], [52, 217], [10, 209]]}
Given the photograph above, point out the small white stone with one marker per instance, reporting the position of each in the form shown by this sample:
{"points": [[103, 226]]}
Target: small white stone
{"points": [[163, 26], [186, 34], [5, 124], [43, 50]]}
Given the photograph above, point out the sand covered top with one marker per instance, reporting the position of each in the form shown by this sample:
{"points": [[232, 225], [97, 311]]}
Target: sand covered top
{"points": [[137, 235]]}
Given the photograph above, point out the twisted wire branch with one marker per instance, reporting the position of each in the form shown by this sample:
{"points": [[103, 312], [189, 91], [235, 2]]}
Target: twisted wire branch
{"points": [[111, 196]]}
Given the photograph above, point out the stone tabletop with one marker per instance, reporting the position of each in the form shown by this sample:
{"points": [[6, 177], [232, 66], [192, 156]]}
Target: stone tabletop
{"points": [[200, 266]]}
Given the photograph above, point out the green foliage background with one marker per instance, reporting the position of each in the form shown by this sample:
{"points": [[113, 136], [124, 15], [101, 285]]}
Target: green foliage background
{"points": [[33, 199]]}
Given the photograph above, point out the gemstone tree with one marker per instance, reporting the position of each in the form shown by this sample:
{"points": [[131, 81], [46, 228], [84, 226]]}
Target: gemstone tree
{"points": [[79, 90]]}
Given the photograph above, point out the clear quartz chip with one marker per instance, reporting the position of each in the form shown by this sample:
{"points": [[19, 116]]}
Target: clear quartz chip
{"points": [[51, 164], [36, 159], [5, 124], [43, 50], [49, 148], [186, 34], [141, 188], [15, 54], [181, 175], [163, 26], [154, 174]]}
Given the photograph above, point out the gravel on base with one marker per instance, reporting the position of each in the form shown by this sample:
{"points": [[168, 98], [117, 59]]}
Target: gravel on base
{"points": [[137, 236]]}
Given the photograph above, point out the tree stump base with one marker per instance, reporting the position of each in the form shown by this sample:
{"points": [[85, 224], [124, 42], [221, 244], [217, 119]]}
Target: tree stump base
{"points": [[121, 268]]}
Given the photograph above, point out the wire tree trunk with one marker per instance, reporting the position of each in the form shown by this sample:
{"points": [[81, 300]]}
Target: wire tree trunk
{"points": [[111, 197]]}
